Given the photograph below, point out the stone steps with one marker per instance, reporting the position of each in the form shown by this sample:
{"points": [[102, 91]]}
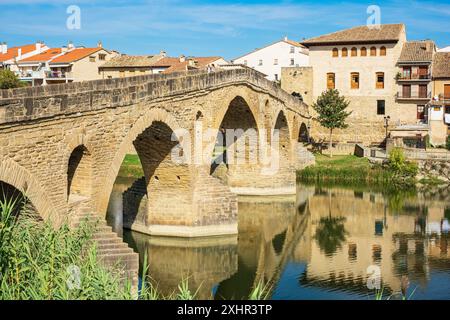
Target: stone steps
{"points": [[111, 250]]}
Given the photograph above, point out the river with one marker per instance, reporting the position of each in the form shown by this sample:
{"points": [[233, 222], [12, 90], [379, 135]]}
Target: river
{"points": [[329, 242]]}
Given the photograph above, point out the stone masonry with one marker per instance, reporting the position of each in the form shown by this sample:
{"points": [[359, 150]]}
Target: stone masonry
{"points": [[64, 144]]}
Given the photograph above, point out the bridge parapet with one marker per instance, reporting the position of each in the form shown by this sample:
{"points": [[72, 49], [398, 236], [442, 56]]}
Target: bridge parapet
{"points": [[31, 103]]}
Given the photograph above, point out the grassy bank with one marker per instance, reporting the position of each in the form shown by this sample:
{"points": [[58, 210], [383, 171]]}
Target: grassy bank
{"points": [[131, 167], [344, 169]]}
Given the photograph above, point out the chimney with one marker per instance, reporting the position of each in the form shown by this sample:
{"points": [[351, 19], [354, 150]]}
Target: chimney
{"points": [[70, 45], [99, 44], [38, 47], [64, 49], [182, 58], [19, 54], [4, 47], [163, 54], [285, 38]]}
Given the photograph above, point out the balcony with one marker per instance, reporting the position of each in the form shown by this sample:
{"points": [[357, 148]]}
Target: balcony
{"points": [[58, 75], [412, 97], [414, 77], [29, 74]]}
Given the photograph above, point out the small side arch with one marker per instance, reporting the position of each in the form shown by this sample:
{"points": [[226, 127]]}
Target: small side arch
{"points": [[18, 177]]}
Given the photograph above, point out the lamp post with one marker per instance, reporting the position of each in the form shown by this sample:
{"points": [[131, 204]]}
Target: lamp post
{"points": [[386, 125]]}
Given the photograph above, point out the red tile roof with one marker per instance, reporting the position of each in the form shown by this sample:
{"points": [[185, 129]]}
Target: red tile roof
{"points": [[75, 55], [43, 56], [13, 52], [175, 65]]}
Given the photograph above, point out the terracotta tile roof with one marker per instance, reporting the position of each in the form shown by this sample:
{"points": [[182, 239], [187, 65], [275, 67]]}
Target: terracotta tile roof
{"points": [[294, 43], [417, 51], [360, 34], [175, 65], [441, 65], [75, 55], [13, 52], [132, 61], [43, 56]]}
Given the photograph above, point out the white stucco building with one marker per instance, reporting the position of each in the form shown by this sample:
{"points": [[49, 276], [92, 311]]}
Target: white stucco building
{"points": [[270, 59]]}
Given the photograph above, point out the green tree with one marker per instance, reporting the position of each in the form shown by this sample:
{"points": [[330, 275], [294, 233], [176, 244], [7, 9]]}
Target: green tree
{"points": [[331, 109], [9, 80]]}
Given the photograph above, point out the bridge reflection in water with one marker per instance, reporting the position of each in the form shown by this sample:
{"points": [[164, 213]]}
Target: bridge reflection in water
{"points": [[317, 245]]}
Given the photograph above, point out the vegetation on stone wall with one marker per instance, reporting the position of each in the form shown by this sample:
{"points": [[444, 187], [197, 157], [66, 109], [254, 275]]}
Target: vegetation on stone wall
{"points": [[9, 80]]}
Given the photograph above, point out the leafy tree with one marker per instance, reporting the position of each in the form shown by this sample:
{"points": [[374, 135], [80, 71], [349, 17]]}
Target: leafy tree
{"points": [[331, 109], [9, 80], [403, 171]]}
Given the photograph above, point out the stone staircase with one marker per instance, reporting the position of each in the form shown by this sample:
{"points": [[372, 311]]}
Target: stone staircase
{"points": [[305, 157], [112, 252]]}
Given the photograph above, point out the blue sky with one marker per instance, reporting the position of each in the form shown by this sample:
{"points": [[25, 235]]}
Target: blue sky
{"points": [[224, 28]]}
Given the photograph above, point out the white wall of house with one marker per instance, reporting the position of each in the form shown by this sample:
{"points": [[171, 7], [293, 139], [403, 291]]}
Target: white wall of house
{"points": [[269, 60]]}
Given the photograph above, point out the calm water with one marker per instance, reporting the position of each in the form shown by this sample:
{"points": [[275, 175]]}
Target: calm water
{"points": [[318, 244]]}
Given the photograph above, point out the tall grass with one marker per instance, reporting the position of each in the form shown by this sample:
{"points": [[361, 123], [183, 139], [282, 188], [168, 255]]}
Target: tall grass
{"points": [[39, 262]]}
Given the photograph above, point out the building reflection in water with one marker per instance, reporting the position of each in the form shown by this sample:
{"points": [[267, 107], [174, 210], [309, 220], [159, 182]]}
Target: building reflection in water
{"points": [[323, 240]]}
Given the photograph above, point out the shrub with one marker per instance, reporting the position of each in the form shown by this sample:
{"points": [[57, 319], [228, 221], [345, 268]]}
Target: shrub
{"points": [[401, 169], [9, 80]]}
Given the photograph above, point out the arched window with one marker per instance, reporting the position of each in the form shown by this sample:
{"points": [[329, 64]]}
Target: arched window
{"points": [[331, 81], [363, 52], [382, 51], [373, 51], [354, 80], [335, 52], [344, 52], [354, 52]]}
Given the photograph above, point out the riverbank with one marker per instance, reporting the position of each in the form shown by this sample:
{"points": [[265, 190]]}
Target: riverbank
{"points": [[346, 169], [131, 167]]}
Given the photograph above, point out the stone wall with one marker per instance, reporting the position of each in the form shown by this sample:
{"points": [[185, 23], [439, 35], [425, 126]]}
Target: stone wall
{"points": [[40, 127]]}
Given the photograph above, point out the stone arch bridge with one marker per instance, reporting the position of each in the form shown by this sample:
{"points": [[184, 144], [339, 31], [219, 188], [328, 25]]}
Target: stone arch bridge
{"points": [[62, 145]]}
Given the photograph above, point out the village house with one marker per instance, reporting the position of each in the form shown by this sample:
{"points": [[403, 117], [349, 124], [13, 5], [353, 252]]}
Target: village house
{"points": [[270, 59], [62, 65], [439, 107], [128, 66], [10, 56], [385, 78]]}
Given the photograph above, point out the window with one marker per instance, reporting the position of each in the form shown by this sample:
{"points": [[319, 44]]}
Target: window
{"points": [[245, 62], [354, 80], [276, 77], [382, 51], [102, 56], [380, 80], [373, 51], [381, 107], [331, 84], [421, 112], [292, 62], [260, 63], [406, 73], [292, 50], [363, 52], [335, 52], [91, 58], [344, 52], [423, 91], [406, 91], [275, 61], [354, 52]]}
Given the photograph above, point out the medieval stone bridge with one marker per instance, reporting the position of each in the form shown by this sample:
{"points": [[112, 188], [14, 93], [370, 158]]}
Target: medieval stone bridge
{"points": [[62, 145]]}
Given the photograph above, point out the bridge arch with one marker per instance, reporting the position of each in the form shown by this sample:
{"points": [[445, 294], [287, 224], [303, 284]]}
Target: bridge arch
{"points": [[285, 146], [79, 173], [156, 115], [21, 179]]}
